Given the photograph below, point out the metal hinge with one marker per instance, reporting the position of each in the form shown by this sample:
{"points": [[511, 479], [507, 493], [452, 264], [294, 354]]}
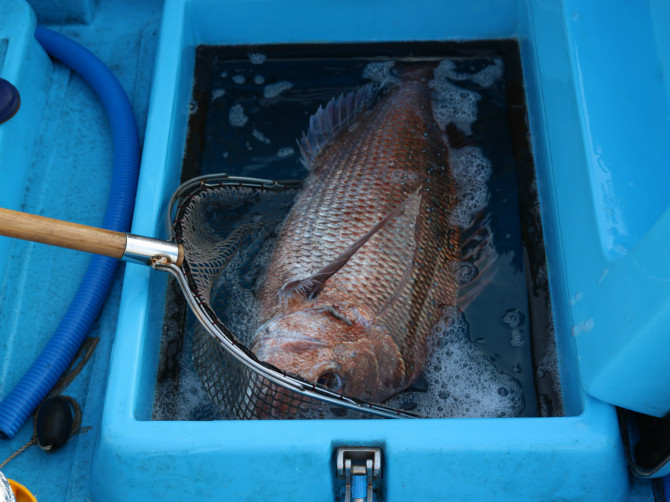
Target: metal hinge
{"points": [[359, 468]]}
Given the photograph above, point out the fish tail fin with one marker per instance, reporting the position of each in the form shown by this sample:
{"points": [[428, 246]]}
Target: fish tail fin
{"points": [[478, 263]]}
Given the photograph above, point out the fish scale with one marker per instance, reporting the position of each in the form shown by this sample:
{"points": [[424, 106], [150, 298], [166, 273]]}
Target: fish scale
{"points": [[383, 301]]}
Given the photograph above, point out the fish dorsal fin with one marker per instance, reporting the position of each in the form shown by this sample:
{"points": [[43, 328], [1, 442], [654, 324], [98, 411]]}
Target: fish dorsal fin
{"points": [[328, 122], [478, 260], [311, 286]]}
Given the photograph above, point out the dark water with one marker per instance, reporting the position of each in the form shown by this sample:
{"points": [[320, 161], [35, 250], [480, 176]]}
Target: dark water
{"points": [[503, 363]]}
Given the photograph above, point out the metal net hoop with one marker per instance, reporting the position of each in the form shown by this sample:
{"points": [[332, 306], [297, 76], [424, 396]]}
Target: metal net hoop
{"points": [[218, 221]]}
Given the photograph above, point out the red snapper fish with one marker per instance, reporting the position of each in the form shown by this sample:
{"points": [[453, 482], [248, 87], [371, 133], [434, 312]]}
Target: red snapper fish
{"points": [[367, 256]]}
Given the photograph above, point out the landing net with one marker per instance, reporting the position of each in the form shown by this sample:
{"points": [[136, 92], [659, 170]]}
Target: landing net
{"points": [[227, 226]]}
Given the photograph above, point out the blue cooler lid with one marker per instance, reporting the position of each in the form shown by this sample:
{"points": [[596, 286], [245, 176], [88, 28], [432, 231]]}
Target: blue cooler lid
{"points": [[611, 202]]}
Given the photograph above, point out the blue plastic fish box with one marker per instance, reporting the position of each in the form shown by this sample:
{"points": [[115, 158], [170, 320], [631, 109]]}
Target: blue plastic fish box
{"points": [[597, 108]]}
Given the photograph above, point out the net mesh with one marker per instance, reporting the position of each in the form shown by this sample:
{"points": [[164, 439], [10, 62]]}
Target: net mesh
{"points": [[227, 232], [239, 391]]}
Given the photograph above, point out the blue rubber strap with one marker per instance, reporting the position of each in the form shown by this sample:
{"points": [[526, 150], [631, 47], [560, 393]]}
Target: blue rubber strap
{"points": [[359, 487]]}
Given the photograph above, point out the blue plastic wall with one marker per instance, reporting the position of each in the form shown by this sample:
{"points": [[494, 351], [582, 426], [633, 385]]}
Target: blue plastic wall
{"points": [[69, 11], [620, 282], [576, 457], [56, 160]]}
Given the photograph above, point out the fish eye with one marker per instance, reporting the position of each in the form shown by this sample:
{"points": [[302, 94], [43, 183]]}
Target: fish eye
{"points": [[332, 381]]}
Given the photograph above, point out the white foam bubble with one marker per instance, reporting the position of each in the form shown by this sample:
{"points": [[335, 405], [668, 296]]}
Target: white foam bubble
{"points": [[462, 380], [236, 116], [380, 72], [517, 338], [489, 75], [447, 69], [257, 57], [485, 77], [218, 93], [471, 170], [239, 79], [513, 318], [259, 80], [260, 136], [454, 104], [465, 271], [287, 151], [274, 90]]}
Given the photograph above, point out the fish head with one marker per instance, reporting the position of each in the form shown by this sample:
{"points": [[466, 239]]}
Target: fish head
{"points": [[340, 351]]}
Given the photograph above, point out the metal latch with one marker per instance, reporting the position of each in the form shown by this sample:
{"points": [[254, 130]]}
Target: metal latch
{"points": [[360, 468]]}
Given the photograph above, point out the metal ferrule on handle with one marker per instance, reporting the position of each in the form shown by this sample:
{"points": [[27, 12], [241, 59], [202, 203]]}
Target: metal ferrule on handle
{"points": [[144, 250]]}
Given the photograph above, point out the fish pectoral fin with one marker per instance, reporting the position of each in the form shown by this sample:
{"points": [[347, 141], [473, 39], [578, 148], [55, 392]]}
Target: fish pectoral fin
{"points": [[328, 122], [296, 288], [311, 286]]}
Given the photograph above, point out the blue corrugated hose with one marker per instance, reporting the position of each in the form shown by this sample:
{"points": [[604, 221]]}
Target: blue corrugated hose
{"points": [[35, 385]]}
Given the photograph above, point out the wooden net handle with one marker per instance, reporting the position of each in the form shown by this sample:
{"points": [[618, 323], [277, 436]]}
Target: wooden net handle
{"points": [[60, 233]]}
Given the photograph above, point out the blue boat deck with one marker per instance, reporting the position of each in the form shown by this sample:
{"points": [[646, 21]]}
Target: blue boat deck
{"points": [[67, 176]]}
